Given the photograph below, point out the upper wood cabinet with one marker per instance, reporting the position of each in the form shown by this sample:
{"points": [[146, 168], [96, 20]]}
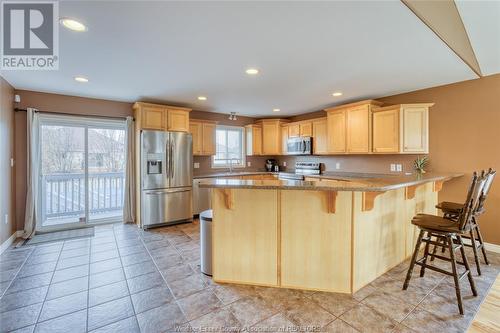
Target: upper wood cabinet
{"points": [[293, 130], [271, 136], [402, 128], [355, 138], [203, 132], [320, 136], [284, 139], [150, 116], [306, 128], [253, 139], [336, 126]]}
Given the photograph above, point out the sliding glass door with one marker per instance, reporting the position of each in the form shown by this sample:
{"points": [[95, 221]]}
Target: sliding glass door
{"points": [[82, 171]]}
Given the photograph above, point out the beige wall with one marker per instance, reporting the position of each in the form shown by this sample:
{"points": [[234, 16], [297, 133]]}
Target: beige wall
{"points": [[53, 103], [464, 136], [7, 195]]}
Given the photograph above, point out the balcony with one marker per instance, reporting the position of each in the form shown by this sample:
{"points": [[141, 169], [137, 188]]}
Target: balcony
{"points": [[64, 199]]}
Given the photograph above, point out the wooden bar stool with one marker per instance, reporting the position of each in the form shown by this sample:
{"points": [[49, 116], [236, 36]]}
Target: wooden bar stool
{"points": [[451, 233], [451, 210]]}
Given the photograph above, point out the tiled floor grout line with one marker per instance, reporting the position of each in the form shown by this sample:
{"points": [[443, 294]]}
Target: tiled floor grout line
{"points": [[51, 278], [17, 273], [126, 283]]}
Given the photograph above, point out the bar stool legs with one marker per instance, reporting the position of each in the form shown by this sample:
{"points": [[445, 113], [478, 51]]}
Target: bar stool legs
{"points": [[453, 242]]}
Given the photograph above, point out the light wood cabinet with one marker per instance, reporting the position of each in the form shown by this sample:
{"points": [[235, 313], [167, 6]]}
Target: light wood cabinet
{"points": [[336, 125], [358, 129], [305, 129], [320, 136], [354, 137], [271, 136], [203, 133], [253, 140], [177, 120], [401, 128], [293, 130], [284, 139], [150, 116]]}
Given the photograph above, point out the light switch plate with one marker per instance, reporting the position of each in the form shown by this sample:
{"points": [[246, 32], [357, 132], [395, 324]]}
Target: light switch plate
{"points": [[196, 165], [6, 221], [337, 165], [11, 162], [249, 164], [399, 167], [393, 167], [284, 164]]}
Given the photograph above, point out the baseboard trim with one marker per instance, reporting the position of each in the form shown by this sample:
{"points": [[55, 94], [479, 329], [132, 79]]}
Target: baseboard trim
{"points": [[5, 245], [492, 247]]}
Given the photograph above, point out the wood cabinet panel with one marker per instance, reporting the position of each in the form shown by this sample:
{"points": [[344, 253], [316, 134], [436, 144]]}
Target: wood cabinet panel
{"points": [[320, 137], [284, 139], [177, 120], [306, 129], [152, 118], [336, 126], [386, 127], [253, 140], [325, 263], [358, 129], [209, 138], [415, 129], [249, 250], [196, 130], [293, 130]]}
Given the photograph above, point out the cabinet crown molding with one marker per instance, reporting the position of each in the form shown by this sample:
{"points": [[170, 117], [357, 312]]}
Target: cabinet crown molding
{"points": [[138, 105], [400, 106], [371, 102], [193, 120]]}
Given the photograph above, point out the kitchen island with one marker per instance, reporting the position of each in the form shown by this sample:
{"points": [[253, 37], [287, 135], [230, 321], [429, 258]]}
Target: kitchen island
{"points": [[335, 232]]}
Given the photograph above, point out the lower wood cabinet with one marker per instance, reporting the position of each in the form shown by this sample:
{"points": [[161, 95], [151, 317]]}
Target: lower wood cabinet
{"points": [[401, 128], [203, 133], [249, 237]]}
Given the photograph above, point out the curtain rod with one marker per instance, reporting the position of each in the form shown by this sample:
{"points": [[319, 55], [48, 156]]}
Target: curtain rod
{"points": [[71, 114]]}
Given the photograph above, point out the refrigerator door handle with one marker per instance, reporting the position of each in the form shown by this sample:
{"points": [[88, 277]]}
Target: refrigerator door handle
{"points": [[177, 190], [171, 152]]}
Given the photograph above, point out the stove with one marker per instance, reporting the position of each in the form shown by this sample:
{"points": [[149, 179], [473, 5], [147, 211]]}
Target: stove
{"points": [[301, 169]]}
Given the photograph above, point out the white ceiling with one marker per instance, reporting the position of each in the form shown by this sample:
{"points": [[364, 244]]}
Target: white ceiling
{"points": [[175, 51]]}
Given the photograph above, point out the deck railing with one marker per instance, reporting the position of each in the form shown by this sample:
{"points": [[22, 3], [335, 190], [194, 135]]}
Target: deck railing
{"points": [[64, 194]]}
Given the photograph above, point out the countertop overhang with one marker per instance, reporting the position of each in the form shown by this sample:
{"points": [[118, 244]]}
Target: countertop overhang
{"points": [[337, 181]]}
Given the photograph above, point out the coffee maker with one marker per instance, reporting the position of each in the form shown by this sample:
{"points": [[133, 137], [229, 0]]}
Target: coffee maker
{"points": [[272, 165]]}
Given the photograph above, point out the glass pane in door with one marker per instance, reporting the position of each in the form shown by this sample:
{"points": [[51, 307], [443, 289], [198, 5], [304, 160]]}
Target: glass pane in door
{"points": [[62, 178], [106, 159]]}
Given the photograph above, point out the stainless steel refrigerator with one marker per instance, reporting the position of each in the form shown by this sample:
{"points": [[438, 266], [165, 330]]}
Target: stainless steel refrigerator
{"points": [[166, 178]]}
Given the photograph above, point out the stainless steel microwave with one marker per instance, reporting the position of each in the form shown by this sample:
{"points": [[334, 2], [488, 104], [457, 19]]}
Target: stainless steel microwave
{"points": [[299, 146]]}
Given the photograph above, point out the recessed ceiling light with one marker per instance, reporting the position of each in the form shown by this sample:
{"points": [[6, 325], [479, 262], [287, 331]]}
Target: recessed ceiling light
{"points": [[252, 71], [73, 24], [337, 94], [202, 98], [276, 110], [81, 79]]}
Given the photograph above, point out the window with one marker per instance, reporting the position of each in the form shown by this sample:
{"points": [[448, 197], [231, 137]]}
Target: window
{"points": [[229, 147]]}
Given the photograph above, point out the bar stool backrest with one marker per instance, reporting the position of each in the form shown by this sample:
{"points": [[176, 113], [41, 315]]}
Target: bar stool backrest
{"points": [[473, 195], [490, 176]]}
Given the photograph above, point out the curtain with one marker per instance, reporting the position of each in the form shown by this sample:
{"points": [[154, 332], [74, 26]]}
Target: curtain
{"points": [[129, 195], [32, 168]]}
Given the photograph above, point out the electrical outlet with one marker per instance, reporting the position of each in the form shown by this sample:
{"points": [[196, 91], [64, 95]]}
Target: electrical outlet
{"points": [[399, 167], [196, 165], [393, 167], [6, 221], [284, 164], [249, 164], [11, 162], [337, 165]]}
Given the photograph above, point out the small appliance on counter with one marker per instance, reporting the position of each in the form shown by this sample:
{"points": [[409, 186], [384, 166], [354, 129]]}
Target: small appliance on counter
{"points": [[272, 165], [301, 169]]}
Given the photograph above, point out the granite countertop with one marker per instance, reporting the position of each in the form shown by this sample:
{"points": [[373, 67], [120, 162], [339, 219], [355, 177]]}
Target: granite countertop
{"points": [[342, 181], [232, 174]]}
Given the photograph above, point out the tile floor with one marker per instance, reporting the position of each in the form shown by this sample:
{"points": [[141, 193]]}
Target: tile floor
{"points": [[128, 280]]}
